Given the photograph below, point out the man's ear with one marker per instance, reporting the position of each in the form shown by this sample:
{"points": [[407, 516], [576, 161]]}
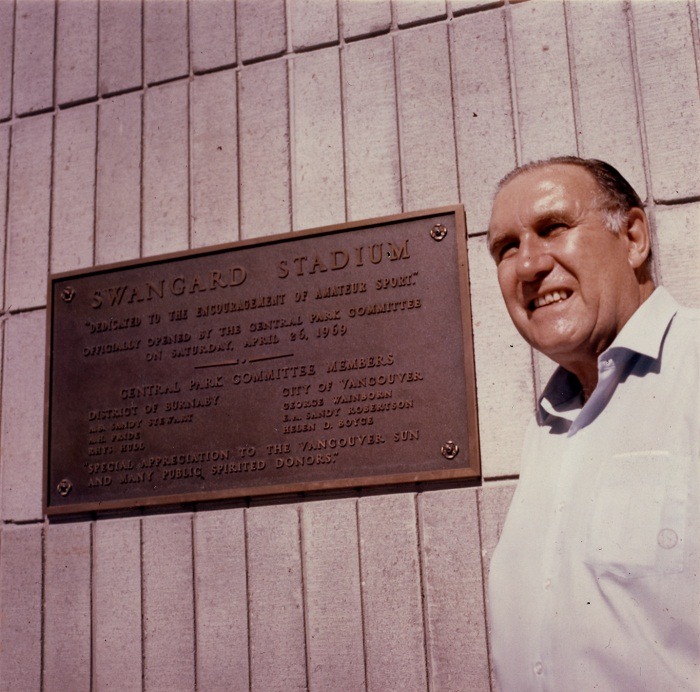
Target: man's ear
{"points": [[638, 237]]}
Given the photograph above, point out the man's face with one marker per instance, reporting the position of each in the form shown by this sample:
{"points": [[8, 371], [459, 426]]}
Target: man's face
{"points": [[565, 277]]}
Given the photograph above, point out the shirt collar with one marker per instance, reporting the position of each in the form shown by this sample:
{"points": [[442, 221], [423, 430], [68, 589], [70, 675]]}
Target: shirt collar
{"points": [[643, 333]]}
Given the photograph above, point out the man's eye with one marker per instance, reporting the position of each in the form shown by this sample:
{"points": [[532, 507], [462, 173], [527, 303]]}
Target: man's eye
{"points": [[507, 250], [553, 228]]}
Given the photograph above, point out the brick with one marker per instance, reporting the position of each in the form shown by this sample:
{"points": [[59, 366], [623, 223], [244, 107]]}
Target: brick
{"points": [[221, 600], [371, 133], [264, 150], [168, 603], [23, 416], [545, 109], [391, 587], [313, 23], [165, 174], [503, 369], [605, 83], [668, 78], [262, 28], [454, 602], [483, 111], [214, 159], [34, 54], [429, 169], [7, 44], [120, 46], [277, 650], [20, 604], [166, 50], [29, 213], [494, 501], [73, 213], [117, 645], [76, 50], [678, 246], [118, 193], [333, 601], [212, 34], [4, 174], [461, 6], [67, 607], [417, 11], [365, 18], [318, 190]]}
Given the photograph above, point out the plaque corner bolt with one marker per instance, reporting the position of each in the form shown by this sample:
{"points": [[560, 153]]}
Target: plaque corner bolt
{"points": [[68, 293], [64, 487], [438, 231], [449, 450]]}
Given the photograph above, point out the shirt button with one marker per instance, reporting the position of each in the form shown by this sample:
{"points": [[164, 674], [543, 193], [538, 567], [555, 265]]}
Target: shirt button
{"points": [[537, 668]]}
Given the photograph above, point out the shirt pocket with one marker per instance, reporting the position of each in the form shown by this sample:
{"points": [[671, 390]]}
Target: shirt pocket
{"points": [[639, 512]]}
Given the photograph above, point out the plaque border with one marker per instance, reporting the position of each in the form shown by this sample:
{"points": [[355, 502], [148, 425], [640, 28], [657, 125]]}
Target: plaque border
{"points": [[472, 472]]}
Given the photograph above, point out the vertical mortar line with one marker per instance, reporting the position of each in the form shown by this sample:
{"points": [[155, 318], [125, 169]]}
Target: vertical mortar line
{"points": [[94, 184], [291, 139], [143, 46], [695, 33], [190, 162], [423, 596], [98, 43], [247, 595], [484, 593], [397, 110], [143, 619], [362, 589], [304, 600], [288, 26], [190, 121], [143, 126], [42, 629], [91, 584], [646, 162], [453, 93], [343, 127], [193, 539], [52, 177], [575, 98], [239, 187], [141, 170], [512, 76], [3, 345], [54, 87], [6, 234], [12, 59]]}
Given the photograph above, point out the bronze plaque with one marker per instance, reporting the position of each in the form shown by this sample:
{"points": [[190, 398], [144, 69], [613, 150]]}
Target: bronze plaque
{"points": [[340, 357]]}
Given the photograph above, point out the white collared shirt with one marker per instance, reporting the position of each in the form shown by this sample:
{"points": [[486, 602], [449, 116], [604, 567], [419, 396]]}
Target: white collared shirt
{"points": [[595, 583]]}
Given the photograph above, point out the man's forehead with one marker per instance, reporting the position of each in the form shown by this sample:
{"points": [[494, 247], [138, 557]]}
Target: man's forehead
{"points": [[545, 189]]}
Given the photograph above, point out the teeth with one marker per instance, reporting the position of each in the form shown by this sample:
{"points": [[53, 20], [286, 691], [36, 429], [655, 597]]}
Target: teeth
{"points": [[549, 298]]}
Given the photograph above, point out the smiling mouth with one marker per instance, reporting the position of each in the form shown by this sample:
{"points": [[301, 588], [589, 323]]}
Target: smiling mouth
{"points": [[549, 299]]}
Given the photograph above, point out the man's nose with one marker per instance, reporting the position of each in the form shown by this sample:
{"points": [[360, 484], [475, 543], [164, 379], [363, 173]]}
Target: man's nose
{"points": [[534, 260]]}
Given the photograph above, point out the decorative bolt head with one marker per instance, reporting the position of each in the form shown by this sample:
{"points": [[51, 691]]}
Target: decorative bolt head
{"points": [[64, 487], [68, 293], [449, 450], [438, 232]]}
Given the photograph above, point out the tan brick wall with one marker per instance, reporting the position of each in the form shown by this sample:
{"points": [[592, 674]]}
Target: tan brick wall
{"points": [[130, 129]]}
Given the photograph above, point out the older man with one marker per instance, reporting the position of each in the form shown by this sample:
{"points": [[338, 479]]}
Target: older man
{"points": [[595, 584]]}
